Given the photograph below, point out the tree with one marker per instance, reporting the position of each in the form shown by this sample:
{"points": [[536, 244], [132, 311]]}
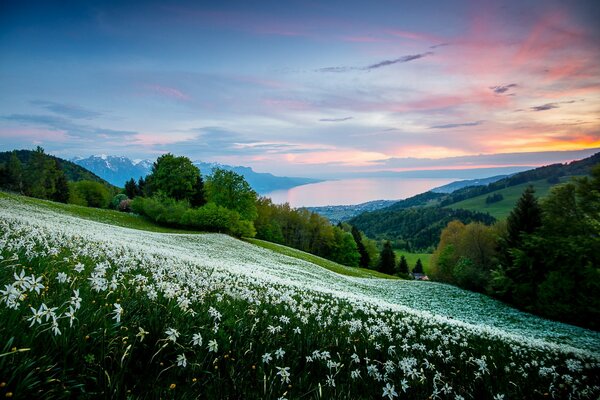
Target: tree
{"points": [[402, 266], [141, 187], [94, 194], [526, 217], [418, 269], [36, 175], [61, 186], [176, 177], [387, 259], [230, 190], [14, 173], [365, 259], [198, 199], [131, 188]]}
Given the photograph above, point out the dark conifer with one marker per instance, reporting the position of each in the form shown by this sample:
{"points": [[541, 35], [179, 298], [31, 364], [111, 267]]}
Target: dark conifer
{"points": [[387, 259]]}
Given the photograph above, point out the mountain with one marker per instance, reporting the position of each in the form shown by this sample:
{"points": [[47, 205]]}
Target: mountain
{"points": [[73, 171], [453, 186], [416, 222], [118, 170]]}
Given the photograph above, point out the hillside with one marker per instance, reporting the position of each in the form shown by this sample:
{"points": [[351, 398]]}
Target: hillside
{"points": [[73, 171], [510, 195], [144, 314], [416, 222]]}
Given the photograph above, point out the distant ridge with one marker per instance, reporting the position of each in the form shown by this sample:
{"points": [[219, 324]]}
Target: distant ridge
{"points": [[117, 170]]}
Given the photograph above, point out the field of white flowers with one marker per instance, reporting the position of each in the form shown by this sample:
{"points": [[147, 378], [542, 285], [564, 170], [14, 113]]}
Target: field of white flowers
{"points": [[90, 309]]}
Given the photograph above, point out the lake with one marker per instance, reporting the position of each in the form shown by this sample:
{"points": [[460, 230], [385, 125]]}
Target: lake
{"points": [[354, 191]]}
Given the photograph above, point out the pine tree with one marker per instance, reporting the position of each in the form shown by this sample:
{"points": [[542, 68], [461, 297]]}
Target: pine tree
{"points": [[61, 185], [141, 187], [418, 269], [198, 199], [365, 260], [387, 259], [131, 188], [526, 217], [402, 266], [14, 173]]}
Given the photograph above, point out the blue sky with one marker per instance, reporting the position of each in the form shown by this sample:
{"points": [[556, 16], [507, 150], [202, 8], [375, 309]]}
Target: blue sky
{"points": [[301, 87]]}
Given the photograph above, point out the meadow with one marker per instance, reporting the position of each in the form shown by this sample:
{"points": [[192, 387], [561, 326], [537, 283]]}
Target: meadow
{"points": [[92, 309]]}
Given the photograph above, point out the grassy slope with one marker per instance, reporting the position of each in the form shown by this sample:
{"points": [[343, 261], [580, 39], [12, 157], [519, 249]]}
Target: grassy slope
{"points": [[511, 194], [330, 265], [138, 222], [412, 258]]}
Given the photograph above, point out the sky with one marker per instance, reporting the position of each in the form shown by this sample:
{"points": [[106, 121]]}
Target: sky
{"points": [[305, 88]]}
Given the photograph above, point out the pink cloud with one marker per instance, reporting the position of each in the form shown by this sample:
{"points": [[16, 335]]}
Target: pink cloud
{"points": [[169, 92]]}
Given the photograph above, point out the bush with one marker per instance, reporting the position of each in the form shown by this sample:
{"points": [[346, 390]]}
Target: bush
{"points": [[114, 203], [89, 193], [161, 209], [212, 217], [124, 205]]}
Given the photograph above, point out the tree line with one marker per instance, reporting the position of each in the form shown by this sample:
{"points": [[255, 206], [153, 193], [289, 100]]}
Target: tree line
{"points": [[545, 258]]}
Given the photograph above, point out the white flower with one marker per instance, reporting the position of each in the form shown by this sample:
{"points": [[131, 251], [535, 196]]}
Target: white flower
{"points": [[197, 339], [355, 358], [172, 334], [118, 311], [355, 374], [36, 317], [499, 397], [55, 329], [213, 346], [279, 353], [330, 381], [284, 373], [297, 330], [79, 267], [76, 300], [141, 333], [266, 358], [181, 360], [404, 385], [389, 391], [62, 277]]}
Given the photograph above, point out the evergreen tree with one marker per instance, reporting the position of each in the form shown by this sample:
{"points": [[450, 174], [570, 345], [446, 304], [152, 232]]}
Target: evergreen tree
{"points": [[61, 186], [198, 199], [365, 259], [14, 173], [418, 269], [141, 187], [34, 176], [131, 188], [403, 266], [526, 217], [387, 259]]}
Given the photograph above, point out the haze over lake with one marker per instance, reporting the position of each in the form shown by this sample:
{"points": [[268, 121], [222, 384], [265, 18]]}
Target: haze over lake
{"points": [[355, 191]]}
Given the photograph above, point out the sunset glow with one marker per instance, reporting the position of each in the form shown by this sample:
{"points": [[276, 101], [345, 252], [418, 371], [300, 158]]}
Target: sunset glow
{"points": [[288, 87]]}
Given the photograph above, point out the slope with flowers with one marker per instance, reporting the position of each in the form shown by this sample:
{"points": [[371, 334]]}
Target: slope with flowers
{"points": [[93, 309]]}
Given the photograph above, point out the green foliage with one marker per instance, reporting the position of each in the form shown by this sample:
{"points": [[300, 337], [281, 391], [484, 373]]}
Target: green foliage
{"points": [[416, 228], [161, 209], [175, 177], [494, 198], [387, 259], [90, 193], [403, 266], [116, 201], [418, 269], [132, 189], [365, 258], [230, 190]]}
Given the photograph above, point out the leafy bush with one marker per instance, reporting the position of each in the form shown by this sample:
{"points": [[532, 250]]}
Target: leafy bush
{"points": [[89, 193], [124, 205], [114, 203], [161, 209]]}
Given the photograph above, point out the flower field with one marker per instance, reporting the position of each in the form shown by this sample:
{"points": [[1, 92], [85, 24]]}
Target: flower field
{"points": [[91, 309]]}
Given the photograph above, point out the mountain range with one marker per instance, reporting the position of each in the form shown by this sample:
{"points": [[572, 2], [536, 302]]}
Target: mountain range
{"points": [[118, 170]]}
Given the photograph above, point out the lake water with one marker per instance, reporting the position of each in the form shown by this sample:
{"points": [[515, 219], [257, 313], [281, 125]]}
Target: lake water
{"points": [[354, 191]]}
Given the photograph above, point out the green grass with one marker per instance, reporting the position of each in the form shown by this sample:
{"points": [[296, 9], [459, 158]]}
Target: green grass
{"points": [[502, 209], [411, 259], [322, 262], [111, 217]]}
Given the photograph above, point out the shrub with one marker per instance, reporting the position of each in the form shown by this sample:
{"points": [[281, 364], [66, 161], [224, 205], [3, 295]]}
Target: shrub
{"points": [[93, 193], [124, 205], [161, 209], [114, 203], [212, 217]]}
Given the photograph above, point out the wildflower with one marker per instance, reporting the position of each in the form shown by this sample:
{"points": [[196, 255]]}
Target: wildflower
{"points": [[279, 353], [76, 300], [330, 381], [71, 315], [172, 386], [197, 339], [141, 333], [499, 397], [118, 311], [266, 358], [55, 329], [181, 360], [79, 267], [404, 385], [62, 277], [389, 391], [355, 358], [355, 374], [172, 334], [284, 373], [36, 317], [297, 330], [213, 346]]}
